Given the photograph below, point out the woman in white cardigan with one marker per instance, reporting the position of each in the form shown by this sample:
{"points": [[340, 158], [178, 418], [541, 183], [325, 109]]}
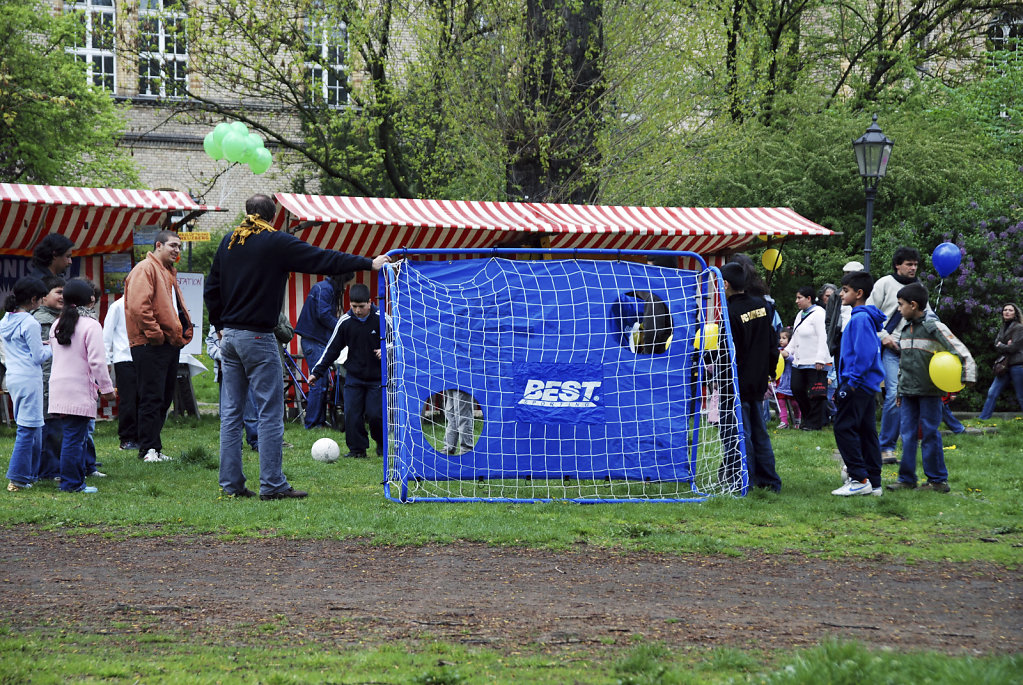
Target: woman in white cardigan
{"points": [[810, 360]]}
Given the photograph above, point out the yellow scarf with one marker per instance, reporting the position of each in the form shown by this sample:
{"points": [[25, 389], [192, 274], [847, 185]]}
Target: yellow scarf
{"points": [[251, 226]]}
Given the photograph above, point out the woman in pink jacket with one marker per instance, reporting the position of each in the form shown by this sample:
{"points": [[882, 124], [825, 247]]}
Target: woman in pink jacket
{"points": [[79, 367]]}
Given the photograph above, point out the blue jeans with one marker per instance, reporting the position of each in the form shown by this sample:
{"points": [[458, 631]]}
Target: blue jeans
{"points": [[759, 452], [315, 401], [72, 453], [921, 413], [28, 446], [890, 424], [251, 362], [954, 424], [998, 385]]}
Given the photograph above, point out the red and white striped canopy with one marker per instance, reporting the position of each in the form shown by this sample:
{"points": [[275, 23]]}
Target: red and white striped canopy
{"points": [[370, 226], [97, 220]]}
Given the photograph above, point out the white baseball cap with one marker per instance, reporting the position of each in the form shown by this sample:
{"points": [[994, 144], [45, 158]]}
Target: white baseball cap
{"points": [[852, 267]]}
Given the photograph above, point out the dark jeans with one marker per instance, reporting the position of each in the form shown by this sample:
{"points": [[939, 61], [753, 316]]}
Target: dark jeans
{"points": [[759, 452], [53, 436], [315, 402], [856, 436], [127, 402], [363, 401], [812, 408], [156, 367], [72, 453]]}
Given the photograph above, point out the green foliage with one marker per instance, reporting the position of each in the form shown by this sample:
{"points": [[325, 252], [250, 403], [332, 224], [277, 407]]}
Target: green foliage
{"points": [[55, 127]]}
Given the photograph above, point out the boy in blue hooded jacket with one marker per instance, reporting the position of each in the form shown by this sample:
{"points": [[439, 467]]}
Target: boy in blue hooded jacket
{"points": [[859, 378]]}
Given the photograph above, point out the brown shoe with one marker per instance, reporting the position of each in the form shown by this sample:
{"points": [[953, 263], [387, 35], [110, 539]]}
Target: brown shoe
{"points": [[899, 485], [290, 493], [244, 493], [935, 486]]}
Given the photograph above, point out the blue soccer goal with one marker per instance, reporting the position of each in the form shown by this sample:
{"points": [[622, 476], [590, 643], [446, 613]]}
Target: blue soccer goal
{"points": [[584, 378]]}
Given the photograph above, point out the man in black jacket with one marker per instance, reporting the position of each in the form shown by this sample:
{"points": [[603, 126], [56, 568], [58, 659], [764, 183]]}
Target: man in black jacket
{"points": [[244, 294], [359, 331], [756, 356]]}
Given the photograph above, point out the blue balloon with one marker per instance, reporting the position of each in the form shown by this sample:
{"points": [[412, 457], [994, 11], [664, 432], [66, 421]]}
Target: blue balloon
{"points": [[946, 258]]}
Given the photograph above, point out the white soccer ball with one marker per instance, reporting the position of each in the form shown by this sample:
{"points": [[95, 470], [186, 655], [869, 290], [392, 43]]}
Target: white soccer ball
{"points": [[326, 450]]}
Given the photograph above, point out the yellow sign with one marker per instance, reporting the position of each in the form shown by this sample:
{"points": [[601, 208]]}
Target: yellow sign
{"points": [[195, 237]]}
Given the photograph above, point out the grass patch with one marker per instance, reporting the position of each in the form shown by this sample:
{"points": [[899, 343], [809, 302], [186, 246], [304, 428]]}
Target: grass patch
{"points": [[977, 521], [49, 657]]}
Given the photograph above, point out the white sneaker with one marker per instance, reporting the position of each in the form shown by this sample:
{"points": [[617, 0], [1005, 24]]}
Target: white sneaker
{"points": [[165, 457], [854, 487], [97, 474], [88, 490], [877, 492], [845, 474], [152, 456]]}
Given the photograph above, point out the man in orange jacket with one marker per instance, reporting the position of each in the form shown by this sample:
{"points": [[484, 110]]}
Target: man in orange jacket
{"points": [[158, 327]]}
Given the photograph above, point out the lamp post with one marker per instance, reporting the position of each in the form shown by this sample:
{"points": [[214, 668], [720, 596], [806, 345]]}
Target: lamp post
{"points": [[872, 149]]}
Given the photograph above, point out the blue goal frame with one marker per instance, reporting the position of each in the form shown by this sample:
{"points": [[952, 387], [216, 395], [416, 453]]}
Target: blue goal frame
{"points": [[386, 277]]}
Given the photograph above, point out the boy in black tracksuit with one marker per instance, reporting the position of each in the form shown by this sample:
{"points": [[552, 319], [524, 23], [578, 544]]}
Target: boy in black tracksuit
{"points": [[359, 331]]}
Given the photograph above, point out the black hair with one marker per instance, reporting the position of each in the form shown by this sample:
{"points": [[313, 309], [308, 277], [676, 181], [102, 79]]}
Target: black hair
{"points": [[859, 280], [53, 281], [914, 292], [787, 330], [25, 289], [754, 283], [905, 254], [49, 247], [77, 293], [163, 236], [358, 293], [806, 291], [262, 206], [663, 261], [339, 281]]}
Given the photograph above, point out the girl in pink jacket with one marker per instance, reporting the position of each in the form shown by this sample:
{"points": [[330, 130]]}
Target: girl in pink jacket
{"points": [[79, 367]]}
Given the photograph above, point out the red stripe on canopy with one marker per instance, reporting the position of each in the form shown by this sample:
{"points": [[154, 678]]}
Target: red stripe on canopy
{"points": [[96, 220], [371, 226]]}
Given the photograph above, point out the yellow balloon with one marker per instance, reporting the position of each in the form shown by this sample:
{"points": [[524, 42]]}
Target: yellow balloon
{"points": [[711, 339], [946, 371], [780, 369], [771, 259]]}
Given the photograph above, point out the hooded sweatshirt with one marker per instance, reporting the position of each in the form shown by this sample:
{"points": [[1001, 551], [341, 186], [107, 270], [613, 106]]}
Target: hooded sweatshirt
{"points": [[860, 358], [23, 344]]}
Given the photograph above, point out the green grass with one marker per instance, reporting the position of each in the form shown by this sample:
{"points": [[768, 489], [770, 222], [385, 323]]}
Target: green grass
{"points": [[980, 519], [58, 657]]}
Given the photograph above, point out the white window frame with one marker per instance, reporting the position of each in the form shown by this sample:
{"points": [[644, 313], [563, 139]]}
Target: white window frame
{"points": [[168, 62], [100, 60], [328, 45], [1001, 30]]}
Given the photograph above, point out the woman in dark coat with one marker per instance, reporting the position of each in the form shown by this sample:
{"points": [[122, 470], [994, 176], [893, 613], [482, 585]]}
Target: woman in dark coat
{"points": [[1009, 342]]}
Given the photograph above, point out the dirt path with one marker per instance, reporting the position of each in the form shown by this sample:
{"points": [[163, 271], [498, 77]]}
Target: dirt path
{"points": [[347, 591]]}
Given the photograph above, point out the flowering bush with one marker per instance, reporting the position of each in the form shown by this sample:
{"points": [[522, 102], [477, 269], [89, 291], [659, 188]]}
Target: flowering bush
{"points": [[989, 233]]}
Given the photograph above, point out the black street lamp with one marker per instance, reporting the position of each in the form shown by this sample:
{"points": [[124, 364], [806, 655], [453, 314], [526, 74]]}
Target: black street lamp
{"points": [[873, 149]]}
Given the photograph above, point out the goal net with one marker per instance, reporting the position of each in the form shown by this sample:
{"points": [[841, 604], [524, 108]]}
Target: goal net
{"points": [[589, 380]]}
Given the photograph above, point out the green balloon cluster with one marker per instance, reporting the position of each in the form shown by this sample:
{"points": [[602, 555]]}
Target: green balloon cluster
{"points": [[235, 143]]}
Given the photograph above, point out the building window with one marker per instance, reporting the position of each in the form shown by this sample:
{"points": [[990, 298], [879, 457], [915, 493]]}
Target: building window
{"points": [[163, 48], [1006, 31], [94, 41], [326, 46]]}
